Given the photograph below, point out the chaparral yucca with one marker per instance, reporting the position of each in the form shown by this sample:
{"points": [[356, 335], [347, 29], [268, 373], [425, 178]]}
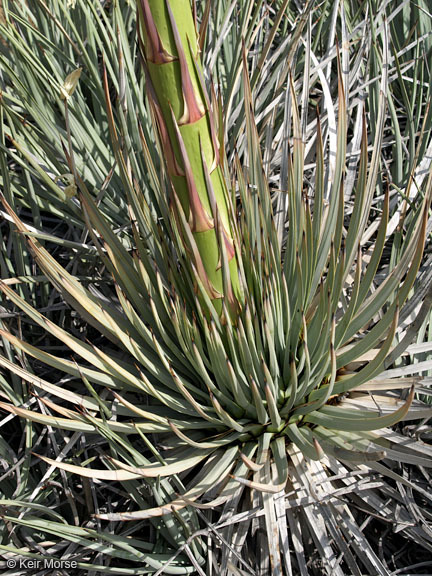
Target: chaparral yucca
{"points": [[243, 263]]}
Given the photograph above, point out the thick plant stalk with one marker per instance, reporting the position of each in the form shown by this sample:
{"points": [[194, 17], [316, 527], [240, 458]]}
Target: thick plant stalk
{"points": [[169, 46]]}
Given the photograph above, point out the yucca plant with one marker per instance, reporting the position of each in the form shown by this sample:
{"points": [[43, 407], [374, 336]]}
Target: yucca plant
{"points": [[240, 271]]}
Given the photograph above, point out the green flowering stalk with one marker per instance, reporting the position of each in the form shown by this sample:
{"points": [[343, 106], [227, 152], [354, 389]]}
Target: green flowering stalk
{"points": [[185, 122]]}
